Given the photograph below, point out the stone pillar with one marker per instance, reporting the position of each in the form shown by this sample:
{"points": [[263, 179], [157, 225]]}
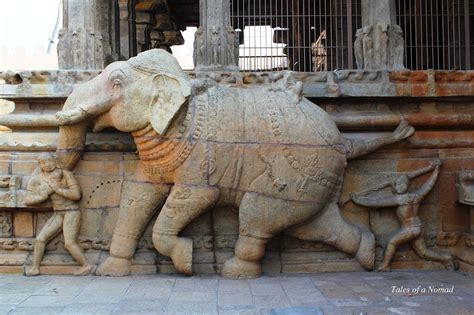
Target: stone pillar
{"points": [[379, 44], [127, 15], [216, 44], [88, 37], [145, 21]]}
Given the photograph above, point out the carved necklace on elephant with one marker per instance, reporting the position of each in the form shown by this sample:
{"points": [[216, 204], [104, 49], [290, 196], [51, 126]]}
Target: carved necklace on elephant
{"points": [[162, 154]]}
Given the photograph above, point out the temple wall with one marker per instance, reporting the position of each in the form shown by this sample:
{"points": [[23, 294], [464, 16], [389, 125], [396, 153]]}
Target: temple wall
{"points": [[363, 104]]}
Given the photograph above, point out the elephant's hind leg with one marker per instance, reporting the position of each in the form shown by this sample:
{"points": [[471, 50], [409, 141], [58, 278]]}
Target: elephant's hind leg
{"points": [[138, 204], [184, 204], [260, 218], [331, 228]]}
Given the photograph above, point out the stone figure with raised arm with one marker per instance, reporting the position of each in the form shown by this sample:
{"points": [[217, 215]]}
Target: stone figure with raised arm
{"points": [[407, 204], [49, 181]]}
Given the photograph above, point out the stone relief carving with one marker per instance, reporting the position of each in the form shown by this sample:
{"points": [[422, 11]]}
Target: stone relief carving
{"points": [[6, 228], [9, 186], [397, 47], [368, 47], [359, 48], [49, 181], [379, 46], [465, 188], [407, 204], [200, 242], [248, 161]]}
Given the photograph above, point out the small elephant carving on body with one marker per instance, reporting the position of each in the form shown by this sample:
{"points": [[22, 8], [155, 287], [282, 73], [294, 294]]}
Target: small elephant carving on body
{"points": [[272, 154]]}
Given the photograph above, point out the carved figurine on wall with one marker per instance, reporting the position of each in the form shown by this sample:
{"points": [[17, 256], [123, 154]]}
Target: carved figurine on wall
{"points": [[49, 181], [407, 204], [383, 44], [397, 47], [368, 47], [358, 48], [4, 181]]}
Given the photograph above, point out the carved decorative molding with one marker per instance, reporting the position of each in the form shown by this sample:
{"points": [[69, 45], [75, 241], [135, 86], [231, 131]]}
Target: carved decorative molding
{"points": [[6, 226], [342, 83]]}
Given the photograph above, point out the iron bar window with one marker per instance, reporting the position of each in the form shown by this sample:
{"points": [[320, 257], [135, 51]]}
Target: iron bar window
{"points": [[299, 35], [438, 33]]}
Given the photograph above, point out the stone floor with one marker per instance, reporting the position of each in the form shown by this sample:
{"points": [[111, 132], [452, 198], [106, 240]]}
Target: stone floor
{"points": [[327, 293]]}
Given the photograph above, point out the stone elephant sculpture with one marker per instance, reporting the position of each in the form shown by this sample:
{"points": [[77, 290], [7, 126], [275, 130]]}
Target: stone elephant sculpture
{"points": [[264, 149]]}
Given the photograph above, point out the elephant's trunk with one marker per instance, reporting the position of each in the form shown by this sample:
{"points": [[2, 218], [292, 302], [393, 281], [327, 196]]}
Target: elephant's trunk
{"points": [[71, 144], [72, 137]]}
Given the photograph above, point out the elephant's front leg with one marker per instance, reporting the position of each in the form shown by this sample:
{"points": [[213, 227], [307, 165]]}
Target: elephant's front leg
{"points": [[138, 203], [184, 204]]}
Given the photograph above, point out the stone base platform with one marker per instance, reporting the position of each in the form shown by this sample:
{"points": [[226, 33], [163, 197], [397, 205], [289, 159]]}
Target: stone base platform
{"points": [[409, 292]]}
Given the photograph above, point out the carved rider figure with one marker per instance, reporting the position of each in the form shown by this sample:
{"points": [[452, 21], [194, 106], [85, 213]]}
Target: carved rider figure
{"points": [[407, 204], [49, 181]]}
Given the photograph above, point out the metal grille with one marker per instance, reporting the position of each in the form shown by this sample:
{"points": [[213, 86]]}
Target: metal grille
{"points": [[438, 33], [299, 35]]}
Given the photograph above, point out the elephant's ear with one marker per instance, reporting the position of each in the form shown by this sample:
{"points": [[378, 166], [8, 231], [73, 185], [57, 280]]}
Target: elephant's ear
{"points": [[170, 93]]}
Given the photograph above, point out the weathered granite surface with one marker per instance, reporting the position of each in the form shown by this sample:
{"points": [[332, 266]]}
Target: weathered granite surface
{"points": [[341, 83], [354, 101], [411, 292]]}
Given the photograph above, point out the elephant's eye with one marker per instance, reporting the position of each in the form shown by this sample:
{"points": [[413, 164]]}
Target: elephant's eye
{"points": [[116, 78]]}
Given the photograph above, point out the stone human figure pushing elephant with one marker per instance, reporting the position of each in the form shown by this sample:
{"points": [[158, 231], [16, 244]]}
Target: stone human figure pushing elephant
{"points": [[49, 181]]}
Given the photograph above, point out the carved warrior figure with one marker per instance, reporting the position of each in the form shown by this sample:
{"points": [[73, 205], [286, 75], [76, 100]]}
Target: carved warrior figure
{"points": [[280, 159], [198, 45], [215, 43], [407, 204], [368, 47], [50, 181], [379, 46], [397, 47], [383, 49], [358, 49], [364, 48]]}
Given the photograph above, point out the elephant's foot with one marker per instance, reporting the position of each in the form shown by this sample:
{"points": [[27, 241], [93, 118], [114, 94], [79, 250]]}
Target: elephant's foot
{"points": [[383, 268], [114, 267], [449, 264], [182, 256], [366, 253], [84, 270], [33, 271], [235, 268]]}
